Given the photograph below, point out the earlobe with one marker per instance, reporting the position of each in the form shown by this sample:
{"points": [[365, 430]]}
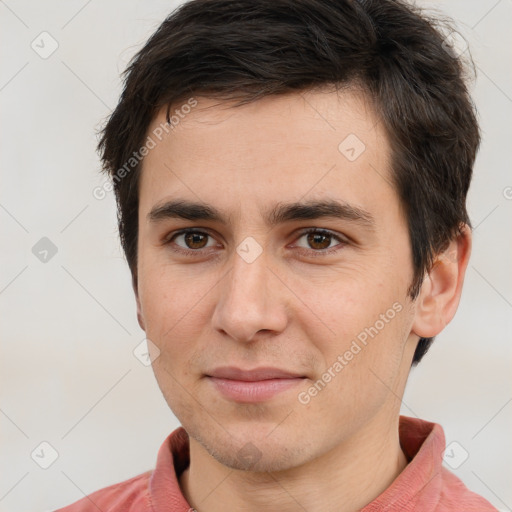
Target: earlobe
{"points": [[442, 287], [140, 317]]}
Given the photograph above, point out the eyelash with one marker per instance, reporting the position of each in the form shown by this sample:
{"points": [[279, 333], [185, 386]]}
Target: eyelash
{"points": [[311, 252]]}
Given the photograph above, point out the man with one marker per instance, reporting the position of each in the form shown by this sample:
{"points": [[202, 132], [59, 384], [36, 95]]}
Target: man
{"points": [[291, 178]]}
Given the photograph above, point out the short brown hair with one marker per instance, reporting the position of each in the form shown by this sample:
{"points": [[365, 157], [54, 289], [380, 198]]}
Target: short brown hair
{"points": [[247, 49]]}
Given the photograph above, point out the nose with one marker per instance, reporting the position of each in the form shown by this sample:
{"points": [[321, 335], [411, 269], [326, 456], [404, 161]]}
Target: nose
{"points": [[251, 299]]}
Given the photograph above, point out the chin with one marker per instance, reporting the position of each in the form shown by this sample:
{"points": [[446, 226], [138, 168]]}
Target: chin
{"points": [[254, 453]]}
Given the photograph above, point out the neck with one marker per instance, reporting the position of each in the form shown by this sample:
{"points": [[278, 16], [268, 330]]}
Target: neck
{"points": [[344, 479]]}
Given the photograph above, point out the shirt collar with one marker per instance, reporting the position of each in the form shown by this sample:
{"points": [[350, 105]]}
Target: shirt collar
{"points": [[418, 486]]}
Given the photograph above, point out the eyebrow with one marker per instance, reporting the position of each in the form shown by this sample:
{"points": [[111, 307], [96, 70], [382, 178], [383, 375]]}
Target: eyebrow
{"points": [[279, 214]]}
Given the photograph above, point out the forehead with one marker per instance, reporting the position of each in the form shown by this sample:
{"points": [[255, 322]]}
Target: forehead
{"points": [[308, 145]]}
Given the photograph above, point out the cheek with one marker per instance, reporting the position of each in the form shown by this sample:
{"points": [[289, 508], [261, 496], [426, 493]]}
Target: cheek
{"points": [[359, 377], [347, 303], [168, 293], [360, 325], [170, 307]]}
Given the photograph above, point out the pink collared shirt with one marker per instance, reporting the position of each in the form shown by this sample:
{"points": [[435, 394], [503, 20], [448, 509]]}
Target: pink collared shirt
{"points": [[423, 486]]}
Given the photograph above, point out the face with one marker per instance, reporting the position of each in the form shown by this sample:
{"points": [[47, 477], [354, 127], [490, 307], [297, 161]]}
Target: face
{"points": [[270, 236]]}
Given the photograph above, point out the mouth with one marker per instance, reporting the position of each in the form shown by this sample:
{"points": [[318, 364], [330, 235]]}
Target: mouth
{"points": [[255, 385]]}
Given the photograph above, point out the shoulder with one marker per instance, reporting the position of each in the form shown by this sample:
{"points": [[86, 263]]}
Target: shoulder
{"points": [[455, 495], [127, 496]]}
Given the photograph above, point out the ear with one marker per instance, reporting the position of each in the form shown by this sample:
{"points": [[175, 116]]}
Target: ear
{"points": [[440, 292], [135, 287]]}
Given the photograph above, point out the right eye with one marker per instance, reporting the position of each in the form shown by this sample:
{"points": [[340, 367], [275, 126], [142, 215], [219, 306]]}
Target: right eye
{"points": [[192, 241]]}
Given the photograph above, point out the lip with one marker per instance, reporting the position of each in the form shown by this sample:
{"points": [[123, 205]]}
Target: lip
{"points": [[255, 374], [255, 385]]}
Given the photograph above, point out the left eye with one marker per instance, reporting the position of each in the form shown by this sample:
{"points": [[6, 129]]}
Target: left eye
{"points": [[320, 240]]}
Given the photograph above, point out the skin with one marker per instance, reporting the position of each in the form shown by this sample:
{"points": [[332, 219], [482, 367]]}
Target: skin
{"points": [[287, 308]]}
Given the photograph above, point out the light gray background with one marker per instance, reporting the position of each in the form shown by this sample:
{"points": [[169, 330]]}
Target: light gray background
{"points": [[68, 329]]}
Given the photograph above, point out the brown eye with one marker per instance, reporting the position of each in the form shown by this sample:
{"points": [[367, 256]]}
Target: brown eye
{"points": [[191, 241], [319, 240], [195, 240]]}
